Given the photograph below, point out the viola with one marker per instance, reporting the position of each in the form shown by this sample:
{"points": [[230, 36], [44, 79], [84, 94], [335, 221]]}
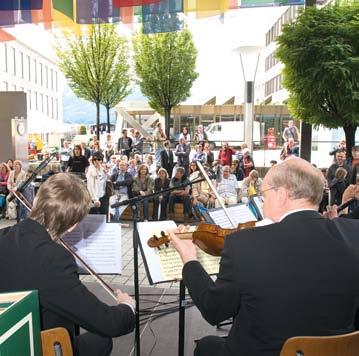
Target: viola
{"points": [[208, 237]]}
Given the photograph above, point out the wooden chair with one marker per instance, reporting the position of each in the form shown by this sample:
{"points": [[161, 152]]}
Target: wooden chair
{"points": [[339, 345], [56, 342]]}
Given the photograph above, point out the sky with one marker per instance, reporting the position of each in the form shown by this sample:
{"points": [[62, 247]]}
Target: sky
{"points": [[219, 68]]}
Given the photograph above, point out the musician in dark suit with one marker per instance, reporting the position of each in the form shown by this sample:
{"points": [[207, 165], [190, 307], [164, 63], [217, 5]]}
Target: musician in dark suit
{"points": [[296, 276], [31, 258], [166, 158]]}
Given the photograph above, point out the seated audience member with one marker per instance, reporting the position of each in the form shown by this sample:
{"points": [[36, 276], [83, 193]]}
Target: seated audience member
{"points": [[4, 176], [16, 176], [227, 188], [162, 182], [225, 154], [29, 194], [151, 166], [247, 162], [96, 184], [217, 169], [183, 150], [124, 144], [122, 181], [10, 164], [180, 195], [252, 185], [202, 193], [340, 162], [78, 163], [289, 149], [209, 154], [338, 186], [199, 155], [193, 171], [273, 162], [351, 192], [60, 204], [112, 164], [237, 170], [109, 148], [85, 151], [138, 142], [143, 185], [132, 167], [311, 258]]}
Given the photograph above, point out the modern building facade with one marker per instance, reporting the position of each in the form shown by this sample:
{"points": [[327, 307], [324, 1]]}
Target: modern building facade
{"points": [[22, 68]]}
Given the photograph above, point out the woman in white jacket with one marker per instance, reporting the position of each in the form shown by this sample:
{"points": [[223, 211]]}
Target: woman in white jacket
{"points": [[96, 184]]}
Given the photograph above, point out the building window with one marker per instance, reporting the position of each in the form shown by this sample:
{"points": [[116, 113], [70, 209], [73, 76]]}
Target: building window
{"points": [[47, 77], [42, 103], [41, 75], [21, 65], [13, 61], [3, 56], [28, 68], [47, 105], [56, 109], [52, 108], [52, 79], [56, 84], [35, 70], [29, 99], [35, 101], [5, 86]]}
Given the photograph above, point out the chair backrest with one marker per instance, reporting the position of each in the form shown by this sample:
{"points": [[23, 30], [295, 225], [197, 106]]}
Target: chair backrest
{"points": [[56, 342], [339, 345]]}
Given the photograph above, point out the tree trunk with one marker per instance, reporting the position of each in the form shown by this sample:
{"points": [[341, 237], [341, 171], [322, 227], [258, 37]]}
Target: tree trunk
{"points": [[108, 119], [349, 139], [167, 120], [98, 120]]}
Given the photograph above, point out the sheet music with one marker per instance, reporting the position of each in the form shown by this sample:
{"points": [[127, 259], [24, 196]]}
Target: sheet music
{"points": [[166, 265], [258, 201], [239, 214], [98, 244]]}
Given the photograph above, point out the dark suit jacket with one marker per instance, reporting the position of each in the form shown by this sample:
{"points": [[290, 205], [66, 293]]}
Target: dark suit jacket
{"points": [[167, 161], [296, 277], [30, 259]]}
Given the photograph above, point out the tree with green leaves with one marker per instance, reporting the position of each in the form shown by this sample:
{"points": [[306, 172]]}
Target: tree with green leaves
{"points": [[320, 52], [92, 61], [165, 65]]}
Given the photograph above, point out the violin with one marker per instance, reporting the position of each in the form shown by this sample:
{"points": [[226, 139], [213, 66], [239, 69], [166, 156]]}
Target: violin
{"points": [[208, 237]]}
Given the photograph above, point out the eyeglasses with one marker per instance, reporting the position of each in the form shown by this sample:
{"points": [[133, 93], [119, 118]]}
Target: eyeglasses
{"points": [[266, 190]]}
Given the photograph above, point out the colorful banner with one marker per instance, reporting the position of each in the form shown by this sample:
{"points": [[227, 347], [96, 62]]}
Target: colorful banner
{"points": [[94, 11], [263, 3], [129, 3], [44, 15], [14, 5]]}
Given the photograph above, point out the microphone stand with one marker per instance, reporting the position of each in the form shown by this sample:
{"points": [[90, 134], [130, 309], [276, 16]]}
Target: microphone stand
{"points": [[134, 203]]}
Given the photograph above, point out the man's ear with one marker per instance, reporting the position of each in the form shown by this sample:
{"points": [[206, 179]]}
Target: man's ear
{"points": [[71, 228], [282, 196]]}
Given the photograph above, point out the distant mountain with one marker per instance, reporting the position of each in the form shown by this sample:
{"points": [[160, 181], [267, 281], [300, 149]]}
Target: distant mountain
{"points": [[79, 111]]}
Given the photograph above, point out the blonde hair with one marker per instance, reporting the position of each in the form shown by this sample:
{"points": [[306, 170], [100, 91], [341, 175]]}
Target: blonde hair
{"points": [[61, 202]]}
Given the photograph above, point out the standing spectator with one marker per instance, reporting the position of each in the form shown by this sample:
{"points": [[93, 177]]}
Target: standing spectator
{"points": [[227, 188], [96, 149], [237, 170], [252, 185], [78, 163], [186, 135], [355, 164], [109, 148], [182, 152], [137, 142], [96, 185], [162, 182], [340, 162], [340, 147], [85, 150], [352, 192], [291, 132], [200, 135], [122, 181], [124, 145], [338, 186], [199, 155], [247, 161], [65, 155], [159, 138], [180, 195], [225, 155], [209, 154], [131, 133], [143, 185], [166, 156]]}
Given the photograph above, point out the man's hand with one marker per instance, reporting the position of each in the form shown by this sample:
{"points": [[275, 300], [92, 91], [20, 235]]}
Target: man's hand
{"points": [[124, 298], [185, 248], [97, 204], [331, 212]]}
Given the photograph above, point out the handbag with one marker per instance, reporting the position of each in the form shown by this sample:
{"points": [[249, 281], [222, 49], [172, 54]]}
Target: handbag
{"points": [[110, 188]]}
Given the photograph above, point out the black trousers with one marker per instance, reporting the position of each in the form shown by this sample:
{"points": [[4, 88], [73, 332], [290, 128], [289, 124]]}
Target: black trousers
{"points": [[89, 344], [103, 209], [210, 346]]}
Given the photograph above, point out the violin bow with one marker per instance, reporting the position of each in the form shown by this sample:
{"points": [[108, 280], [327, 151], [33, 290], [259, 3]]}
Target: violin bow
{"points": [[105, 286], [199, 164]]}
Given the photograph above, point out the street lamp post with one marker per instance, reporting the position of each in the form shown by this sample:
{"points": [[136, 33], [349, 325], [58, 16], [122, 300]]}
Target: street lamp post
{"points": [[249, 56]]}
